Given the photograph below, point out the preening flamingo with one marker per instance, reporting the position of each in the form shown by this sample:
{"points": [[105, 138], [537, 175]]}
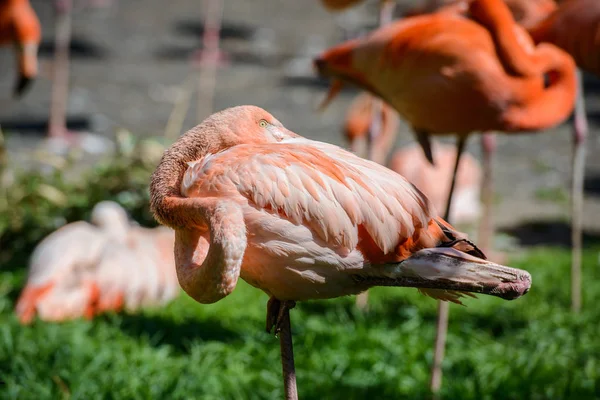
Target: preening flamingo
{"points": [[301, 219], [19, 26], [446, 74], [526, 13], [574, 27], [85, 269]]}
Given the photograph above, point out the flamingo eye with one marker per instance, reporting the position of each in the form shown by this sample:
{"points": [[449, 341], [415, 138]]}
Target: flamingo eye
{"points": [[263, 123]]}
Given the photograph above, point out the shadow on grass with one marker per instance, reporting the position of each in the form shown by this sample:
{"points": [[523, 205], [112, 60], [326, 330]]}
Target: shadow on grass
{"points": [[39, 126], [228, 30], [552, 233], [179, 52], [79, 49], [592, 185], [177, 334]]}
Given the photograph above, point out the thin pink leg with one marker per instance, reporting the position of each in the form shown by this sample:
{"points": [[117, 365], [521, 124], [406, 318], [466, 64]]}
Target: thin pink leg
{"points": [[443, 307], [486, 228], [57, 126], [209, 58], [580, 133]]}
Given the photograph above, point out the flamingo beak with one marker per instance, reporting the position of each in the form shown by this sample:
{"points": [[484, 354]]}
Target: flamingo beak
{"points": [[334, 89], [28, 67], [448, 269]]}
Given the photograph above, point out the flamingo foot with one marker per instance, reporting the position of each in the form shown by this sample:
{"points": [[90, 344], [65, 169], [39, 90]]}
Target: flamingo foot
{"points": [[276, 309]]}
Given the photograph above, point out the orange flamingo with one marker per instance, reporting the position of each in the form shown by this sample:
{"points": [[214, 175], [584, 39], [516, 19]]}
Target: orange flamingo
{"points": [[526, 13], [432, 180], [446, 74], [19, 25], [574, 27], [86, 269], [301, 219]]}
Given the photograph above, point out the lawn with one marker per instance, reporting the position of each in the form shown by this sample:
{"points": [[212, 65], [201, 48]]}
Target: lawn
{"points": [[530, 348]]}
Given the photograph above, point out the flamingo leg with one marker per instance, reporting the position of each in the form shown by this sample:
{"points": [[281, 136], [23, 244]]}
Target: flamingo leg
{"points": [[209, 58], [278, 317], [580, 133], [443, 306], [386, 14], [57, 125], [486, 229]]}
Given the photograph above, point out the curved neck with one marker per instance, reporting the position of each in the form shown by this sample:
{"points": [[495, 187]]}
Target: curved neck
{"points": [[208, 276], [166, 202], [555, 103], [514, 46]]}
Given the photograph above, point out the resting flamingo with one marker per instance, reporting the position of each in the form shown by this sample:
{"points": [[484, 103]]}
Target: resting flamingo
{"points": [[85, 269], [446, 74], [19, 26], [301, 219]]}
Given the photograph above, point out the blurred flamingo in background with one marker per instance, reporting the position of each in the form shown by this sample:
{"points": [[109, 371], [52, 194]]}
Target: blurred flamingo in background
{"points": [[302, 220], [446, 74], [432, 180], [574, 27], [357, 125], [84, 269], [19, 26]]}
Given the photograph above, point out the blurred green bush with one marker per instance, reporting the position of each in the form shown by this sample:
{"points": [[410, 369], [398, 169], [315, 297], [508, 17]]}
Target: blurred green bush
{"points": [[38, 201]]}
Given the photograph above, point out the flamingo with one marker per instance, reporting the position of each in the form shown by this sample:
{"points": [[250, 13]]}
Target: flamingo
{"points": [[19, 25], [448, 74], [85, 269], [574, 27], [410, 163], [301, 219], [526, 13]]}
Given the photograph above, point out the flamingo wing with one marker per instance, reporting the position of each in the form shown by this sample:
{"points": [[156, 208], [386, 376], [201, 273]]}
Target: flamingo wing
{"points": [[319, 185]]}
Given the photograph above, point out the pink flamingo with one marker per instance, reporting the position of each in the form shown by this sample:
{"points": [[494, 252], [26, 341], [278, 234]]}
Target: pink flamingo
{"points": [[301, 219], [85, 269]]}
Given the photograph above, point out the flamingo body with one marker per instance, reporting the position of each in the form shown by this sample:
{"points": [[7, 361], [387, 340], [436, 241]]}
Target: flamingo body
{"points": [[296, 218], [421, 66], [84, 269], [434, 180]]}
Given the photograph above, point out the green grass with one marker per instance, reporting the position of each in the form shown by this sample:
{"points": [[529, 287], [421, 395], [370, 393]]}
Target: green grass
{"points": [[531, 348]]}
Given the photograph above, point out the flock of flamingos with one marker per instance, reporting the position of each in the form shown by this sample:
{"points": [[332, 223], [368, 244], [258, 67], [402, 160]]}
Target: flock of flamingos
{"points": [[301, 219]]}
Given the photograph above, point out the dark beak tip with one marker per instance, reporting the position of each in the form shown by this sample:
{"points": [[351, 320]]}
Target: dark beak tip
{"points": [[22, 85], [319, 64], [514, 290]]}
